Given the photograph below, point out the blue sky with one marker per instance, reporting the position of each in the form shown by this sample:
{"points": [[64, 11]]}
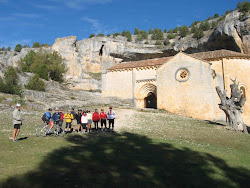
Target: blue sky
{"points": [[29, 21]]}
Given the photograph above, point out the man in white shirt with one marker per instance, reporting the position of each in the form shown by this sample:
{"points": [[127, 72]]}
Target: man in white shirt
{"points": [[17, 121], [111, 115]]}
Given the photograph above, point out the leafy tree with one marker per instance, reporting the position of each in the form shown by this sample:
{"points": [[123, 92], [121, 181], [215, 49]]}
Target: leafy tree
{"points": [[108, 35], [195, 23], [205, 26], [165, 30], [221, 18], [216, 15], [142, 35], [244, 6], [27, 61], [36, 45], [198, 34], [124, 33], [175, 30], [44, 45], [193, 28], [9, 48], [26, 46], [91, 35], [214, 24], [150, 31], [171, 36], [184, 31], [157, 34], [100, 35], [228, 11], [209, 18], [18, 48], [129, 36], [2, 49], [136, 31], [42, 71], [166, 42], [35, 83], [158, 43]]}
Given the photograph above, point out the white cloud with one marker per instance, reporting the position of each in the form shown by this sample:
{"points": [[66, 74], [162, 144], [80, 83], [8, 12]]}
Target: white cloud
{"points": [[26, 15], [43, 6]]}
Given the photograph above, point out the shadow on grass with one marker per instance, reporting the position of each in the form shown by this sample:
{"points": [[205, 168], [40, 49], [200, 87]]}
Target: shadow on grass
{"points": [[128, 160]]}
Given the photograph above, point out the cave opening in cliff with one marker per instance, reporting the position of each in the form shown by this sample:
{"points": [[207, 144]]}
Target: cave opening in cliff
{"points": [[101, 50]]}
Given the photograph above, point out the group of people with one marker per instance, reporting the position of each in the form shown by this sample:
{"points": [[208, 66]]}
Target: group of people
{"points": [[80, 121]]}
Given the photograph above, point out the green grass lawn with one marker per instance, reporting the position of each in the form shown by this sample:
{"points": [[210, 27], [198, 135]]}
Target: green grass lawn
{"points": [[150, 150]]}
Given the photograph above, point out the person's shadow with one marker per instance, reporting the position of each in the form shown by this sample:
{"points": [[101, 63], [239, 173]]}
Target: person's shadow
{"points": [[23, 138], [128, 160]]}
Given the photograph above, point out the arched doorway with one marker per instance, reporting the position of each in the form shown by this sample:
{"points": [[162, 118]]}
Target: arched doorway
{"points": [[150, 101], [147, 96]]}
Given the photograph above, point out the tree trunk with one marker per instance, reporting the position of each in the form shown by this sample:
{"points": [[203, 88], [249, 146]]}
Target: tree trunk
{"points": [[233, 106]]}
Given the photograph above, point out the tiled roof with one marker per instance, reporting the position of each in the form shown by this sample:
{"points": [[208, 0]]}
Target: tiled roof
{"points": [[207, 56]]}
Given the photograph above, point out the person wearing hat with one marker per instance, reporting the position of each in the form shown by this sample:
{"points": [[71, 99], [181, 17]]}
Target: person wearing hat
{"points": [[111, 118], [74, 122], [68, 118], [103, 117], [17, 121], [78, 119], [96, 118]]}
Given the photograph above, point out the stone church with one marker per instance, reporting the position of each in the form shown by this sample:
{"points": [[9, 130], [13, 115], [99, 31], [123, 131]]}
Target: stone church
{"points": [[182, 84]]}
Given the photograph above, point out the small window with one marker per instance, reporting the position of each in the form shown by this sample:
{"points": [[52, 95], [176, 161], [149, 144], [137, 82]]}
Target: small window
{"points": [[182, 75], [243, 89]]}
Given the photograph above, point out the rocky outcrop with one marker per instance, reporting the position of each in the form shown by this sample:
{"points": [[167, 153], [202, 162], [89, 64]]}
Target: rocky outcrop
{"points": [[88, 58]]}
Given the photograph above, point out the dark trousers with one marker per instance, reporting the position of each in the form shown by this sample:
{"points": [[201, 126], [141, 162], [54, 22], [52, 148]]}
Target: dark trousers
{"points": [[96, 124], [103, 121], [111, 122]]}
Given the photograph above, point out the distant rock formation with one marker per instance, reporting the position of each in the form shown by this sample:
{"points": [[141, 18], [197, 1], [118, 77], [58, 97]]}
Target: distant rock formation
{"points": [[88, 58]]}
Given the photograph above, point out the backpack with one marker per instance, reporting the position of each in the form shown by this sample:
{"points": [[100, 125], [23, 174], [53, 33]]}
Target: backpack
{"points": [[43, 117]]}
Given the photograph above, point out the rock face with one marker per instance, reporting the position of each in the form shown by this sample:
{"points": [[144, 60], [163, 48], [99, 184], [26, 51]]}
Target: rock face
{"points": [[88, 58]]}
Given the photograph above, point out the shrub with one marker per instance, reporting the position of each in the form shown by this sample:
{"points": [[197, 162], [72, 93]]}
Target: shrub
{"points": [[18, 48], [175, 30], [142, 35], [193, 29], [221, 18], [157, 34], [171, 31], [214, 24], [205, 26], [27, 61], [158, 43], [198, 34], [91, 35], [128, 35], [116, 34], [146, 42], [166, 42], [216, 15], [195, 23], [136, 31], [10, 82], [26, 46], [100, 35], [165, 30], [228, 11], [108, 35], [173, 44], [36, 45], [35, 83], [171, 36], [184, 31], [150, 31], [9, 48]]}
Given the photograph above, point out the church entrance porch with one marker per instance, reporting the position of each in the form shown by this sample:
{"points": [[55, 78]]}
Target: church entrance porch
{"points": [[146, 96], [150, 101]]}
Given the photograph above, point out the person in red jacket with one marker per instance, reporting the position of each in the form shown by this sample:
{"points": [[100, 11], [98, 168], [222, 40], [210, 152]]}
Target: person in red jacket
{"points": [[62, 117], [103, 117], [96, 118]]}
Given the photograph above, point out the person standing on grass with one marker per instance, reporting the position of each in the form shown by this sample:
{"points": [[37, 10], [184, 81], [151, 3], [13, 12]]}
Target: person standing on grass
{"points": [[103, 117], [78, 119], [89, 115], [17, 121], [62, 117], [68, 118], [111, 118], [74, 118], [96, 118], [84, 122]]}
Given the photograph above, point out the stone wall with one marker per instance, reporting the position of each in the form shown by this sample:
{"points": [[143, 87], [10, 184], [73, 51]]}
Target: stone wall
{"points": [[191, 98]]}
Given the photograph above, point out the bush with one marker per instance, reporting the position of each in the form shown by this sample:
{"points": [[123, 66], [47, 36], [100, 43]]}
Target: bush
{"points": [[45, 65], [35, 83], [26, 46], [166, 42], [100, 35], [184, 31], [221, 18], [108, 35], [193, 29], [157, 34], [142, 35], [116, 34], [216, 15], [214, 24], [171, 31], [146, 42], [175, 30], [91, 35], [10, 82], [228, 11], [158, 43], [9, 48], [136, 31], [198, 34], [171, 36], [150, 31], [18, 48], [165, 30], [128, 35], [36, 45], [205, 26], [195, 23], [244, 6]]}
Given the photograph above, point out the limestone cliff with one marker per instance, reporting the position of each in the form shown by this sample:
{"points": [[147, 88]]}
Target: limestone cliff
{"points": [[86, 59]]}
